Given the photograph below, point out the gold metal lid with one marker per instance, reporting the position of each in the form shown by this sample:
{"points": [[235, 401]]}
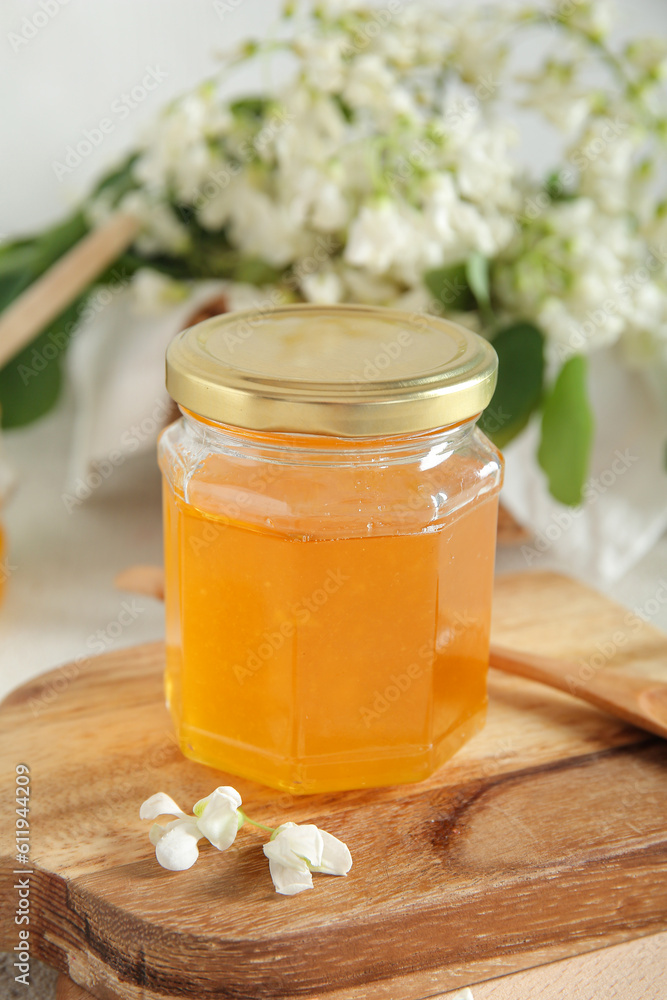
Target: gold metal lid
{"points": [[348, 371]]}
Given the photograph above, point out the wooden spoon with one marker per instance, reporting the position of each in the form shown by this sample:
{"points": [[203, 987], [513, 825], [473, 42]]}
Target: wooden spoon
{"points": [[639, 700], [50, 295], [146, 580]]}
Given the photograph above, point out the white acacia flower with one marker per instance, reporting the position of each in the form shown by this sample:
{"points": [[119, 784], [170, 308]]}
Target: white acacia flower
{"points": [[215, 200], [418, 35], [266, 228], [392, 238], [376, 237], [294, 852], [330, 209], [605, 161], [216, 818], [649, 55], [322, 60], [316, 196], [177, 150], [646, 349], [240, 296], [592, 17], [480, 43], [314, 132], [473, 229], [371, 85], [647, 310], [331, 9], [322, 287], [485, 172], [153, 293], [439, 199], [575, 270], [160, 228], [361, 286], [556, 92], [383, 137]]}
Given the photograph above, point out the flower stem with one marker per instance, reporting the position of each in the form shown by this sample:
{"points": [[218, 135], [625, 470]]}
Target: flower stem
{"points": [[246, 819]]}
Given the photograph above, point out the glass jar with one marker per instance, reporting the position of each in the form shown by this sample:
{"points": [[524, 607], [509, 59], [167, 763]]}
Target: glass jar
{"points": [[330, 515]]}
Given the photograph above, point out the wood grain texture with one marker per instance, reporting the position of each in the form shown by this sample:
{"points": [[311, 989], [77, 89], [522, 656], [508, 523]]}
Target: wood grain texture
{"points": [[634, 970], [544, 838], [67, 990]]}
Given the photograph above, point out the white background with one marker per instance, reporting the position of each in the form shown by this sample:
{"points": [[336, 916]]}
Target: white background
{"points": [[66, 78]]}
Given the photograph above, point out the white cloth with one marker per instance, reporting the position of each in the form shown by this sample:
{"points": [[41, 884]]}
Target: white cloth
{"points": [[625, 512], [116, 369]]}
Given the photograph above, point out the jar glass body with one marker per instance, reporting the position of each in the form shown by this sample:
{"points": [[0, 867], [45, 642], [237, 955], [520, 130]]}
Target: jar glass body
{"points": [[328, 600]]}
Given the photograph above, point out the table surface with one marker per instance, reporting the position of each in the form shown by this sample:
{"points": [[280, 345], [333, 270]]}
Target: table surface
{"points": [[61, 603]]}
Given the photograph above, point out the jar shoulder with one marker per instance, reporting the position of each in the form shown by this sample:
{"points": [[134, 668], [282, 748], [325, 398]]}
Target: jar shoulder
{"points": [[375, 493]]}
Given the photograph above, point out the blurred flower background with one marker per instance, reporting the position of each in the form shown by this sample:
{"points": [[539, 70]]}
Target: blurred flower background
{"points": [[502, 164]]}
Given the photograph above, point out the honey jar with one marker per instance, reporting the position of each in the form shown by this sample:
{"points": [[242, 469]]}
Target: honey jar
{"points": [[330, 514]]}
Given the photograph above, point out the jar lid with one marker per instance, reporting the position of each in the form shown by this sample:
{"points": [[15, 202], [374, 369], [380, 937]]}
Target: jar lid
{"points": [[348, 371]]}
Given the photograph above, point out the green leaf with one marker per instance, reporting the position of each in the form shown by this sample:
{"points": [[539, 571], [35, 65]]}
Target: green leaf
{"points": [[30, 383], [252, 108], [119, 181], [520, 350], [449, 286], [254, 271], [556, 189], [477, 275], [18, 257], [567, 433], [11, 286], [462, 287], [23, 261], [23, 401], [343, 107]]}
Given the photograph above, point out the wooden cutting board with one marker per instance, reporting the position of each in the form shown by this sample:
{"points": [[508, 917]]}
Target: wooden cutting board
{"points": [[545, 837]]}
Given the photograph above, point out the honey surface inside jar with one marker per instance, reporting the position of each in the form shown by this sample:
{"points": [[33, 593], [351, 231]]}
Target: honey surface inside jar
{"points": [[324, 629]]}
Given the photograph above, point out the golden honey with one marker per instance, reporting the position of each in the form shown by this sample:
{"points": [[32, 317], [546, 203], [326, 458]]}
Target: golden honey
{"points": [[328, 594]]}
